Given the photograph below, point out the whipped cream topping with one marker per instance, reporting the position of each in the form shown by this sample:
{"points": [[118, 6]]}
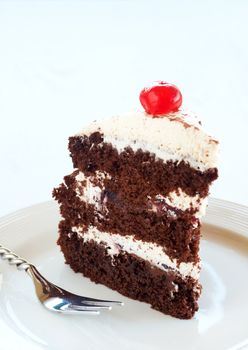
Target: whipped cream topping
{"points": [[151, 252], [176, 136]]}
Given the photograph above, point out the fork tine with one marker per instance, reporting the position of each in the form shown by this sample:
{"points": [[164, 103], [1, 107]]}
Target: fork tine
{"points": [[89, 307], [89, 301], [61, 305], [73, 311], [92, 301]]}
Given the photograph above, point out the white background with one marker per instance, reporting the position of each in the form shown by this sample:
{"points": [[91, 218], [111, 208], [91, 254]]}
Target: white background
{"points": [[65, 63]]}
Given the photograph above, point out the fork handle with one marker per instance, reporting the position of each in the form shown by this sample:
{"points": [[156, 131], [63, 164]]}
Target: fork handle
{"points": [[13, 259]]}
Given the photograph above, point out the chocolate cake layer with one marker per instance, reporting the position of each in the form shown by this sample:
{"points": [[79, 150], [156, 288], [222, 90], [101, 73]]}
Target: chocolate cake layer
{"points": [[138, 168], [179, 233], [131, 276]]}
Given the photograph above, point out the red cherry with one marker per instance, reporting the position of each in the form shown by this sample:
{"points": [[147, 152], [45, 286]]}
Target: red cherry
{"points": [[160, 98]]}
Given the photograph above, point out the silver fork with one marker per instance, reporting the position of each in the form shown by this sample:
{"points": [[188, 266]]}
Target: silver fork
{"points": [[53, 297]]}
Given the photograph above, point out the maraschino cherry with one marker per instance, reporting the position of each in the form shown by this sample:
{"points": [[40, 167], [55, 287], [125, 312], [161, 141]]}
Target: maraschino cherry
{"points": [[160, 98]]}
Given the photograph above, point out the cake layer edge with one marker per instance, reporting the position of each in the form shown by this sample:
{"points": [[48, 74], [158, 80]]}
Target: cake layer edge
{"points": [[133, 277], [150, 252]]}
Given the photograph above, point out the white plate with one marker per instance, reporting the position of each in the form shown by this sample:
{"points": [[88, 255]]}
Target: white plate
{"points": [[221, 322]]}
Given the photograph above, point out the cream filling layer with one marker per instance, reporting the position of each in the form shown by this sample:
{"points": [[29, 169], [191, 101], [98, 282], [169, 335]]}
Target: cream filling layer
{"points": [[90, 193], [180, 200], [151, 252], [176, 136], [87, 191], [166, 154]]}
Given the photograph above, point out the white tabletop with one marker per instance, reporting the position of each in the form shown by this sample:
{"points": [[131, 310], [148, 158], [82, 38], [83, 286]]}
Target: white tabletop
{"points": [[65, 63]]}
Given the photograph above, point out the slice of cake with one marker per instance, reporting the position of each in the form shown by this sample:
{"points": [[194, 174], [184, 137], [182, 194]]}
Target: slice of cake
{"points": [[133, 205]]}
